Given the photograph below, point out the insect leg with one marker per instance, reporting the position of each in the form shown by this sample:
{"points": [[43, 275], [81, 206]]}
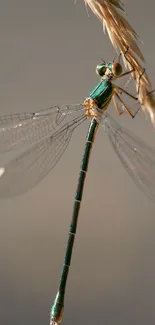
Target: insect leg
{"points": [[126, 92], [118, 111], [125, 107]]}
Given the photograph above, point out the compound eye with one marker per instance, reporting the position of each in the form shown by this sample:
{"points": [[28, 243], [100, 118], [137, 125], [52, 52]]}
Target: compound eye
{"points": [[116, 68], [101, 69]]}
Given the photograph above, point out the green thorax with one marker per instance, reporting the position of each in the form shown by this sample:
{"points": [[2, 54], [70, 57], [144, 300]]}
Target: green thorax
{"points": [[102, 93]]}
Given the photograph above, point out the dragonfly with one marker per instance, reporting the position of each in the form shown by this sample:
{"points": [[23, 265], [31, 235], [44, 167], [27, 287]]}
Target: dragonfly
{"points": [[39, 139]]}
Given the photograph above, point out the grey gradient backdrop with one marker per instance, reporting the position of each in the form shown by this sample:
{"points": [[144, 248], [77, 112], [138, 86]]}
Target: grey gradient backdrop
{"points": [[49, 51]]}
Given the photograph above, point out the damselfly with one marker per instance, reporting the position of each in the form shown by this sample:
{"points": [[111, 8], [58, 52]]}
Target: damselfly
{"points": [[46, 134]]}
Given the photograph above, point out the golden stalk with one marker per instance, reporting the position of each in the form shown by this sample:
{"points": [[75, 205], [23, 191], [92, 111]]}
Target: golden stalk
{"points": [[125, 39]]}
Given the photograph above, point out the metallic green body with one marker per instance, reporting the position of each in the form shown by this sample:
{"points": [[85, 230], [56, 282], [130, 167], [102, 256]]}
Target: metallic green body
{"points": [[57, 309], [102, 93]]}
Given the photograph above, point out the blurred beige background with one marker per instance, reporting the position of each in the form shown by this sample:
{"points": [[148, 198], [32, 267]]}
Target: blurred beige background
{"points": [[49, 51]]}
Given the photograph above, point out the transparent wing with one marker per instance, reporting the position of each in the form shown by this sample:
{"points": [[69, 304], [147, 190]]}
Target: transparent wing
{"points": [[29, 128], [25, 171], [137, 157]]}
